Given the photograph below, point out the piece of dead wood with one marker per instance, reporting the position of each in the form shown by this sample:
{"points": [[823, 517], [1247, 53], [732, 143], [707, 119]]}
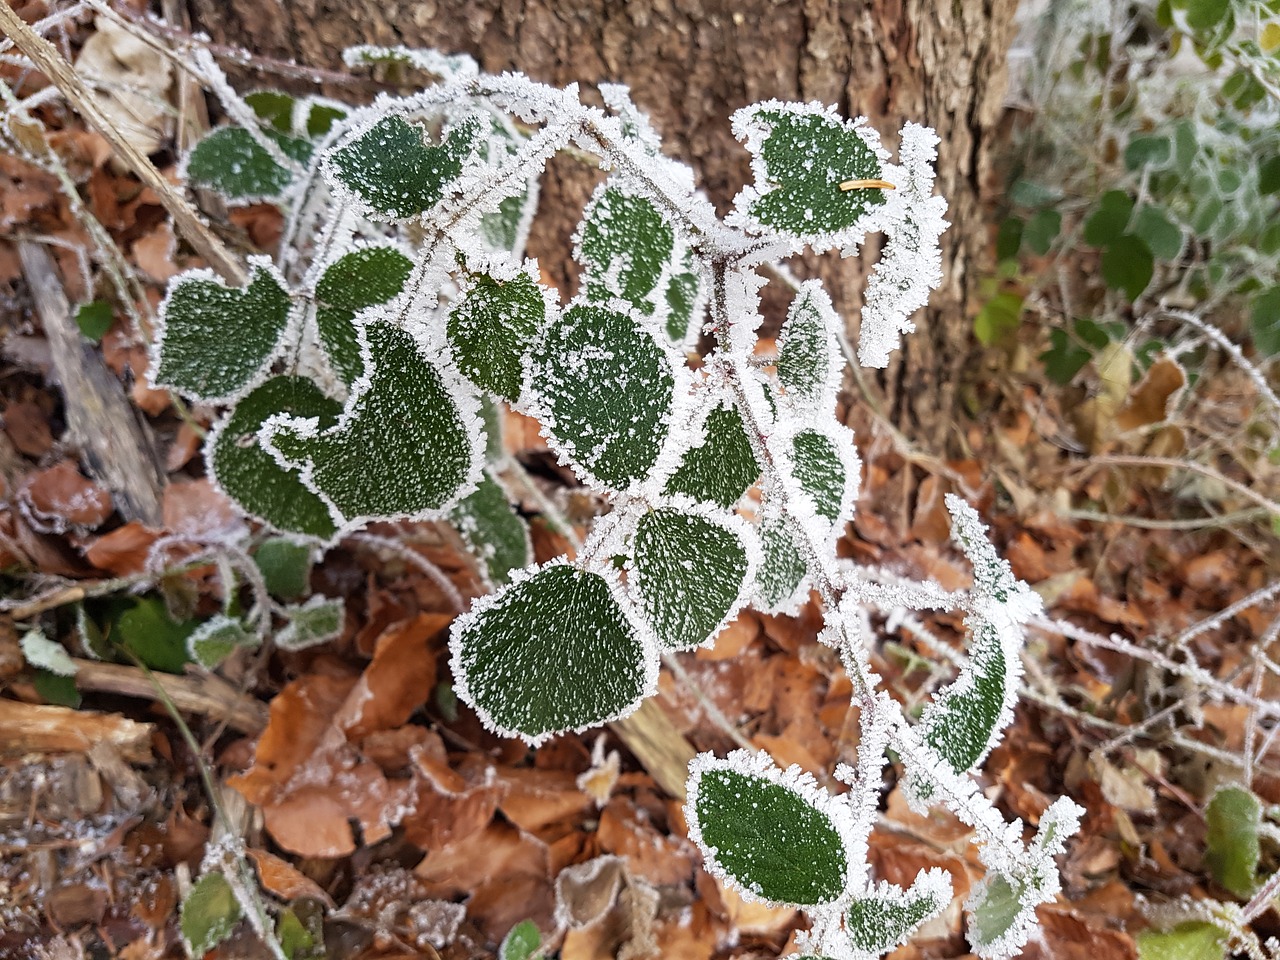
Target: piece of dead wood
{"points": [[661, 749], [202, 694], [37, 728], [117, 447]]}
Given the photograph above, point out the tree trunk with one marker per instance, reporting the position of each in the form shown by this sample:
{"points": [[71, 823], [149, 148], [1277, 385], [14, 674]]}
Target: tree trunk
{"points": [[691, 63]]}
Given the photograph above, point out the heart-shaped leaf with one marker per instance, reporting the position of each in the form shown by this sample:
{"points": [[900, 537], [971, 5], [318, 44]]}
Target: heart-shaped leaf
{"points": [[625, 246], [408, 443], [809, 361], [781, 575], [604, 389], [231, 161], [721, 468], [496, 534], [362, 278], [216, 639], [552, 652], [690, 568], [774, 835], [396, 173], [252, 477], [801, 154], [213, 340], [492, 327]]}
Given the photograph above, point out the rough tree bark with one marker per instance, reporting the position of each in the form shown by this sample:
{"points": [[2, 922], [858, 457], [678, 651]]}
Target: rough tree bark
{"points": [[690, 63]]}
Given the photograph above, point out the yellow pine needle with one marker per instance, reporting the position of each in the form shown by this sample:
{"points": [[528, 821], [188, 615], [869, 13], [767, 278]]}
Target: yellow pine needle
{"points": [[867, 185]]}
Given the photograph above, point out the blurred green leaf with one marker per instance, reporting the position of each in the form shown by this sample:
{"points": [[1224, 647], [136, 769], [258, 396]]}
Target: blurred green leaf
{"points": [[1041, 230], [1194, 940], [1161, 235], [94, 319], [1266, 321], [998, 318], [1127, 265], [1109, 219], [1232, 848]]}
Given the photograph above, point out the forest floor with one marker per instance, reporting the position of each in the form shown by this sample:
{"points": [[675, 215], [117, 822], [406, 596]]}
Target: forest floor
{"points": [[374, 805]]}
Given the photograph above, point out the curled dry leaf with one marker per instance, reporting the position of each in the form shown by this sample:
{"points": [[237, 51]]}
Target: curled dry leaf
{"points": [[400, 679], [61, 497]]}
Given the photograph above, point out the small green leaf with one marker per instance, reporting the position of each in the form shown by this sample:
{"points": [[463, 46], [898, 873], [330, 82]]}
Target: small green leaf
{"points": [[285, 566], [317, 621], [1027, 193], [1205, 14], [492, 328], [273, 107], [1162, 237], [809, 361], [889, 915], [552, 652], [1064, 358], [396, 173], [321, 118], [683, 303], [1269, 176], [402, 424], [235, 164], [294, 937], [722, 468], [1193, 940], [216, 639], [822, 470], [773, 834], [493, 530], [690, 573], [56, 689], [782, 569], [998, 319], [209, 914], [253, 477], [625, 229], [604, 389], [1233, 818], [1265, 319], [1109, 218], [1041, 230], [1009, 238], [996, 910], [94, 319], [215, 340], [802, 155], [362, 278], [1147, 150], [147, 631], [521, 942], [1127, 265]]}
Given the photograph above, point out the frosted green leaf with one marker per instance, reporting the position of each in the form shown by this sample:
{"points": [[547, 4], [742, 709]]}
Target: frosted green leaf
{"points": [[492, 327], [997, 909], [808, 352], [235, 164], [1193, 940], [550, 653], [1232, 849], [722, 467], [209, 913], [317, 621], [604, 389], [782, 569], [889, 915], [772, 834], [625, 247], [216, 639], [682, 303], [214, 340], [39, 651], [820, 471], [321, 118], [402, 425], [360, 279], [273, 107], [690, 573], [521, 942], [491, 416], [396, 173], [148, 632], [285, 566], [801, 155], [253, 477], [506, 228], [496, 534]]}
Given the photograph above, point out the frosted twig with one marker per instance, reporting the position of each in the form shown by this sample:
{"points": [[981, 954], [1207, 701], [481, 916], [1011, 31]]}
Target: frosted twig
{"points": [[1215, 621]]}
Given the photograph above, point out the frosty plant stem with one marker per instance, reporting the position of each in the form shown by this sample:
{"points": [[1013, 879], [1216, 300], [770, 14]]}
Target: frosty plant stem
{"points": [[365, 375]]}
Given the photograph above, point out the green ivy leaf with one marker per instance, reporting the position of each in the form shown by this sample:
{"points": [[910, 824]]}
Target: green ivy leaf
{"points": [[604, 388], [782, 569], [552, 652], [317, 621], [722, 468], [493, 326], [396, 173], [690, 573], [285, 566], [1109, 218], [1232, 849], [1161, 235], [772, 834], [1266, 321], [493, 530], [146, 630], [801, 156], [402, 425], [1193, 940], [362, 278], [216, 639], [252, 477], [625, 229], [215, 340], [209, 913], [94, 319], [809, 361], [1127, 265], [889, 915], [230, 161]]}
